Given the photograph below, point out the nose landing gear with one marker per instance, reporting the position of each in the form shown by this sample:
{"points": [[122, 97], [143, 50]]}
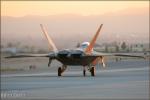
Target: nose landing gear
{"points": [[91, 70], [84, 71]]}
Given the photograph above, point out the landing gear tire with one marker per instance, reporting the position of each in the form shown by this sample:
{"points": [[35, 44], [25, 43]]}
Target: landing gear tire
{"points": [[92, 71], [59, 71], [84, 72]]}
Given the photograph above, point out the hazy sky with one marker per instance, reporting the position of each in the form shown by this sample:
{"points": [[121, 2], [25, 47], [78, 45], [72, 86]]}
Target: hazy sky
{"points": [[44, 8], [123, 21]]}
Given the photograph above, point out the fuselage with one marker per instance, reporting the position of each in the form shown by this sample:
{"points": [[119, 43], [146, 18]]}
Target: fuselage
{"points": [[76, 56], [75, 61]]}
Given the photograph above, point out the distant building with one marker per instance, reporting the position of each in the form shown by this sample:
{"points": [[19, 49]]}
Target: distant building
{"points": [[139, 47], [106, 48], [111, 48], [9, 50], [115, 47], [100, 48]]}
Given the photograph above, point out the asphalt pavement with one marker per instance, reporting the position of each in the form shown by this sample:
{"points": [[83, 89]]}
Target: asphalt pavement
{"points": [[128, 79]]}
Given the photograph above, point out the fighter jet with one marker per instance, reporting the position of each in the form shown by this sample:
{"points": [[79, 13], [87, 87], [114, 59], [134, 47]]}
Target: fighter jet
{"points": [[82, 56]]}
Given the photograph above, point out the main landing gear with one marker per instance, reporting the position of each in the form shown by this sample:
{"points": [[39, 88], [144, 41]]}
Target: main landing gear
{"points": [[91, 70], [64, 67], [61, 70]]}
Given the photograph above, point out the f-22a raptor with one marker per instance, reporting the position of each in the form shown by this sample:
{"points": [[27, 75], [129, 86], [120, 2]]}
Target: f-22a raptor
{"points": [[82, 56]]}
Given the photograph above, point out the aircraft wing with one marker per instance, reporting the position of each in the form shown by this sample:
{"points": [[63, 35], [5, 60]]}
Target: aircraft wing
{"points": [[129, 55], [51, 55], [99, 54]]}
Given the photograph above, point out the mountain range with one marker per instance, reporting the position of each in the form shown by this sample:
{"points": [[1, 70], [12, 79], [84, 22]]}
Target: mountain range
{"points": [[130, 25]]}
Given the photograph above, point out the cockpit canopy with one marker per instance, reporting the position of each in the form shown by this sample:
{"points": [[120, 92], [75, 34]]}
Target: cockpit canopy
{"points": [[84, 45]]}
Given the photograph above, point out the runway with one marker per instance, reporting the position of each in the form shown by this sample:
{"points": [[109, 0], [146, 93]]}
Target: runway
{"points": [[127, 79]]}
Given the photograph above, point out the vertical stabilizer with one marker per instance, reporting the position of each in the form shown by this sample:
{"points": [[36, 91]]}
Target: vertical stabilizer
{"points": [[51, 43], [90, 47]]}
